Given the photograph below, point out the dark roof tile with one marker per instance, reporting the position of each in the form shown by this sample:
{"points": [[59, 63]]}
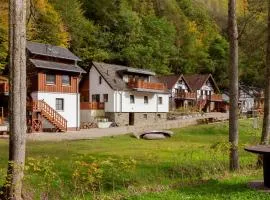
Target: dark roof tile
{"points": [[112, 75], [196, 81], [50, 50], [56, 66]]}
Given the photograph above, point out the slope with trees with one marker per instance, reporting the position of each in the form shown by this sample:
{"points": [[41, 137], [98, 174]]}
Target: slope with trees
{"points": [[177, 36]]}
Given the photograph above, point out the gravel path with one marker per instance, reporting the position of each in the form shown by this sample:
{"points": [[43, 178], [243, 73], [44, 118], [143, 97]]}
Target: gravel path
{"points": [[107, 132]]}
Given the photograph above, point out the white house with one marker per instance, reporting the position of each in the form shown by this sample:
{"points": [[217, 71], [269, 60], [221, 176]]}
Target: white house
{"points": [[53, 88], [181, 94], [123, 94], [208, 95]]}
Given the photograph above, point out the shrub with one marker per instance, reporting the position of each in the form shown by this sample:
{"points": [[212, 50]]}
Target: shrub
{"points": [[91, 175]]}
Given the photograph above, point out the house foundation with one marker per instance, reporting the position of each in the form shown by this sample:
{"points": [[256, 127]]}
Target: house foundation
{"points": [[137, 118]]}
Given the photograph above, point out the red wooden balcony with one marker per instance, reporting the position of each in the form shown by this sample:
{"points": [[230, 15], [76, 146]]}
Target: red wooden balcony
{"points": [[186, 95], [4, 88], [146, 85], [215, 97], [92, 106]]}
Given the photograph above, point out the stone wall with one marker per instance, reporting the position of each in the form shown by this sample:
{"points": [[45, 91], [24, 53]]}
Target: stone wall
{"points": [[149, 118], [91, 115], [122, 119]]}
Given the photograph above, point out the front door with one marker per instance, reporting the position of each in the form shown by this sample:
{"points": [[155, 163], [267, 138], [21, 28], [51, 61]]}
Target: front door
{"points": [[131, 119]]}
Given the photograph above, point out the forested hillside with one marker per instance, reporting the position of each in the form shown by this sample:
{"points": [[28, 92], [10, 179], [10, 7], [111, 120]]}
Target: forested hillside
{"points": [[167, 36]]}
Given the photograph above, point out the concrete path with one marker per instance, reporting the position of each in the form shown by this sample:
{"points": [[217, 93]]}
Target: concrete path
{"points": [[97, 133]]}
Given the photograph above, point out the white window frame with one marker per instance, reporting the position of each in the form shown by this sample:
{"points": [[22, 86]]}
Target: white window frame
{"points": [[56, 104]]}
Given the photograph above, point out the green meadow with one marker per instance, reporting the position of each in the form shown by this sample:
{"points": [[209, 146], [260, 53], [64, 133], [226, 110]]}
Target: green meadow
{"points": [[193, 164]]}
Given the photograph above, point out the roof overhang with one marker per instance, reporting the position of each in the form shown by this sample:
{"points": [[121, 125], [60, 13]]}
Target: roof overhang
{"points": [[150, 90], [138, 71], [44, 64]]}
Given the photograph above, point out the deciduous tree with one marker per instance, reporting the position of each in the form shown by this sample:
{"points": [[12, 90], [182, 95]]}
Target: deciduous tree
{"points": [[17, 102], [233, 84], [266, 117]]}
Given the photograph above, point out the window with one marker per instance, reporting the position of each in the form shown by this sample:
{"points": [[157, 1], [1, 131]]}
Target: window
{"points": [[159, 116], [160, 100], [145, 116], [132, 99], [50, 79], [105, 97], [201, 92], [65, 80], [96, 98], [145, 99], [59, 104], [100, 79]]}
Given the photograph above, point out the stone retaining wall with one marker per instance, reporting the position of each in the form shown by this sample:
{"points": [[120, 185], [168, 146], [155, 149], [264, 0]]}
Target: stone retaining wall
{"points": [[122, 119]]}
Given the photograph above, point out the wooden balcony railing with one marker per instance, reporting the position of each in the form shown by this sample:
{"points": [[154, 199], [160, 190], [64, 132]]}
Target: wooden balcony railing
{"points": [[4, 88], [146, 85], [215, 97], [186, 95], [92, 106]]}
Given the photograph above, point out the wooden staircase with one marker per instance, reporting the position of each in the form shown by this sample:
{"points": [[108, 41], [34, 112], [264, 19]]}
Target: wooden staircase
{"points": [[59, 122], [201, 104]]}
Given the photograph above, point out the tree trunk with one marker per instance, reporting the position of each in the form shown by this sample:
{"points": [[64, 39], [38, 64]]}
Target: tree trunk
{"points": [[17, 101], [266, 116], [233, 77]]}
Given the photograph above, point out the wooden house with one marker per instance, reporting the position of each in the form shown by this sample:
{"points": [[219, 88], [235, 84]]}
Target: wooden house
{"points": [[208, 97], [52, 88], [250, 98], [181, 94]]}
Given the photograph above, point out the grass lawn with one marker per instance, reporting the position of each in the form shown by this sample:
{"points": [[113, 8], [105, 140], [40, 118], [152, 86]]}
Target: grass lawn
{"points": [[193, 164]]}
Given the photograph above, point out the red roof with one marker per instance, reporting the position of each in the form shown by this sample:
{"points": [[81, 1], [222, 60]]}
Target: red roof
{"points": [[171, 80], [196, 81]]}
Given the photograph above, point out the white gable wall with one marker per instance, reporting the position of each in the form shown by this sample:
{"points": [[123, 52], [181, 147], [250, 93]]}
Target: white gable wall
{"points": [[103, 88], [119, 101], [206, 88], [247, 101], [178, 86]]}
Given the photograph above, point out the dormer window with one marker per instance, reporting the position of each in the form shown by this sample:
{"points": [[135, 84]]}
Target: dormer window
{"points": [[50, 79]]}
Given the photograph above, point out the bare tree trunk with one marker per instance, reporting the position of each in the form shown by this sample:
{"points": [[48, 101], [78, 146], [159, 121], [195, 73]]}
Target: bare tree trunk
{"points": [[17, 101], [233, 76], [266, 116]]}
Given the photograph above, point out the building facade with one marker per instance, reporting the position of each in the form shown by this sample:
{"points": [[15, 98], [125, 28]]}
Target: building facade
{"points": [[181, 94], [52, 88], [208, 95], [124, 95]]}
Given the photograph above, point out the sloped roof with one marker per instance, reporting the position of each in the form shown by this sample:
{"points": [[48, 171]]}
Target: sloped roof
{"points": [[44, 64], [50, 50], [196, 81], [171, 80], [112, 75], [251, 91]]}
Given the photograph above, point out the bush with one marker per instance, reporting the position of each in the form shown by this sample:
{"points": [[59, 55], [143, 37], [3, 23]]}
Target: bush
{"points": [[91, 175]]}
